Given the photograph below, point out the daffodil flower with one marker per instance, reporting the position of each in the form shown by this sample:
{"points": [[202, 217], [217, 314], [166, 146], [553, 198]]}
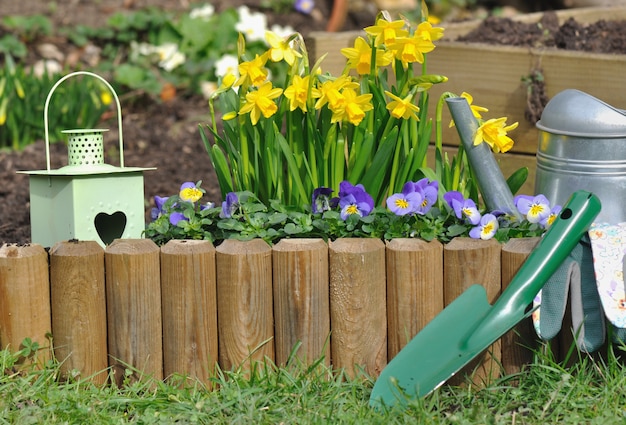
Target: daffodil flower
{"points": [[386, 32], [427, 31], [402, 108], [360, 56], [329, 92], [261, 102], [476, 110], [280, 49], [253, 72], [354, 107], [411, 49], [494, 133], [486, 229], [298, 92]]}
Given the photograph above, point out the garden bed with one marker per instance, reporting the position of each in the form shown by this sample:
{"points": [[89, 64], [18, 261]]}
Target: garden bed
{"points": [[181, 308], [494, 74]]}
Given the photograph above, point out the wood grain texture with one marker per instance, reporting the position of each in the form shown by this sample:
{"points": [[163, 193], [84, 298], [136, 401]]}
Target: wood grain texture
{"points": [[414, 288], [467, 262], [133, 288], [25, 298], [301, 299], [79, 322], [358, 305], [518, 342], [189, 308], [244, 303]]}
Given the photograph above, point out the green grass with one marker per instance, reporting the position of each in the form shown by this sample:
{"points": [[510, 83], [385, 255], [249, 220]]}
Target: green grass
{"points": [[591, 391]]}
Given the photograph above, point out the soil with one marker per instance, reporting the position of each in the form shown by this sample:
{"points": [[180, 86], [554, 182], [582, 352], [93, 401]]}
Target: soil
{"points": [[165, 135]]}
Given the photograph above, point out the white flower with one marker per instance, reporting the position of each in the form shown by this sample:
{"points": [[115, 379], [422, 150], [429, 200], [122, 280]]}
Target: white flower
{"points": [[227, 64], [208, 88], [283, 32], [251, 25], [169, 56], [204, 12], [47, 66]]}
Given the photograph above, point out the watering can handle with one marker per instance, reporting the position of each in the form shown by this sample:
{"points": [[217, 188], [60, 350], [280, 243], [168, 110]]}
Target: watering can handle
{"points": [[117, 102]]}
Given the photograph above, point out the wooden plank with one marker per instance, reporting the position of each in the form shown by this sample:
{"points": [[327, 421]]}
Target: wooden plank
{"points": [[467, 262], [25, 299], [301, 299], [518, 343], [358, 308], [189, 308], [414, 288], [78, 302], [244, 303], [133, 289]]}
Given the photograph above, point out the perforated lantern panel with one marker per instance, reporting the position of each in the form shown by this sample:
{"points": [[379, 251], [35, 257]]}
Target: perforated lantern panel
{"points": [[100, 207], [85, 148]]}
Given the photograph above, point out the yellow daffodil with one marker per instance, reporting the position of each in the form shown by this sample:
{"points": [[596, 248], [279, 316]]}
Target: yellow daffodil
{"points": [[280, 49], [428, 32], [360, 56], [411, 49], [261, 101], [476, 110], [494, 133], [297, 92], [353, 108], [402, 108], [329, 91], [253, 72], [386, 32]]}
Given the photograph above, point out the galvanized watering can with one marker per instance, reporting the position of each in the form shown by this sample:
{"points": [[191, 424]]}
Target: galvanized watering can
{"points": [[582, 146]]}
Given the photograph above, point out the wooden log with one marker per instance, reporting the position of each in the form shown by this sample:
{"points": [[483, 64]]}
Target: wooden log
{"points": [[414, 288], [301, 303], [517, 343], [133, 289], [189, 308], [467, 262], [244, 303], [358, 310], [25, 299], [79, 324]]}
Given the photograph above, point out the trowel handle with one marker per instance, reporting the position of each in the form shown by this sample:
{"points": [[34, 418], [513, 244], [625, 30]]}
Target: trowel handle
{"points": [[556, 244]]}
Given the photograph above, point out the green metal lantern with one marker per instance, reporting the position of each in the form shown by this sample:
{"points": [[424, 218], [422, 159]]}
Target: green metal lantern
{"points": [[86, 199]]}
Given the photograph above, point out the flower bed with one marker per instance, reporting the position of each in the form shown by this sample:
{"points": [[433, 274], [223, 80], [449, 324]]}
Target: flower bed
{"points": [[495, 79], [181, 308]]}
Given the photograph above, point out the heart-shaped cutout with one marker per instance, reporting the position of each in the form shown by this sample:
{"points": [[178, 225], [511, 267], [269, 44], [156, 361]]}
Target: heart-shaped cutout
{"points": [[110, 226]]}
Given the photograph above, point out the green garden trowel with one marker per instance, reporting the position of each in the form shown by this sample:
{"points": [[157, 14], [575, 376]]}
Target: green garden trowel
{"points": [[469, 325]]}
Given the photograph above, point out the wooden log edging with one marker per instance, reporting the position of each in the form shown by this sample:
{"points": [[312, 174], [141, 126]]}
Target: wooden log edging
{"points": [[187, 306]]}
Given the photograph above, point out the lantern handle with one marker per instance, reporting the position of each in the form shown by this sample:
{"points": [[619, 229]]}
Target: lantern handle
{"points": [[117, 102]]}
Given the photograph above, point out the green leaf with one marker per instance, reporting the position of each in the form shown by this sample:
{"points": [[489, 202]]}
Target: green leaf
{"points": [[517, 179]]}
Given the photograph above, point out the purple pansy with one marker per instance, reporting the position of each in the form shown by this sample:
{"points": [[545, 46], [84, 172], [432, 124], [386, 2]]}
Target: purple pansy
{"points": [[406, 202], [159, 201], [175, 217], [321, 200], [486, 229], [463, 208], [554, 213], [428, 191], [354, 200], [230, 205], [304, 6], [535, 208]]}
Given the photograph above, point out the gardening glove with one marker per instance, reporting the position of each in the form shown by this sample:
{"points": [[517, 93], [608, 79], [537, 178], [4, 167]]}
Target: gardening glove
{"points": [[608, 243], [575, 276]]}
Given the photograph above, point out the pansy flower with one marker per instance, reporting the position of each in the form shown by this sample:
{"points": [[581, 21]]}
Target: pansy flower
{"points": [[554, 213], [159, 201], [486, 229], [463, 208], [354, 200], [321, 200], [428, 191], [535, 208], [190, 192], [229, 205], [406, 202]]}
